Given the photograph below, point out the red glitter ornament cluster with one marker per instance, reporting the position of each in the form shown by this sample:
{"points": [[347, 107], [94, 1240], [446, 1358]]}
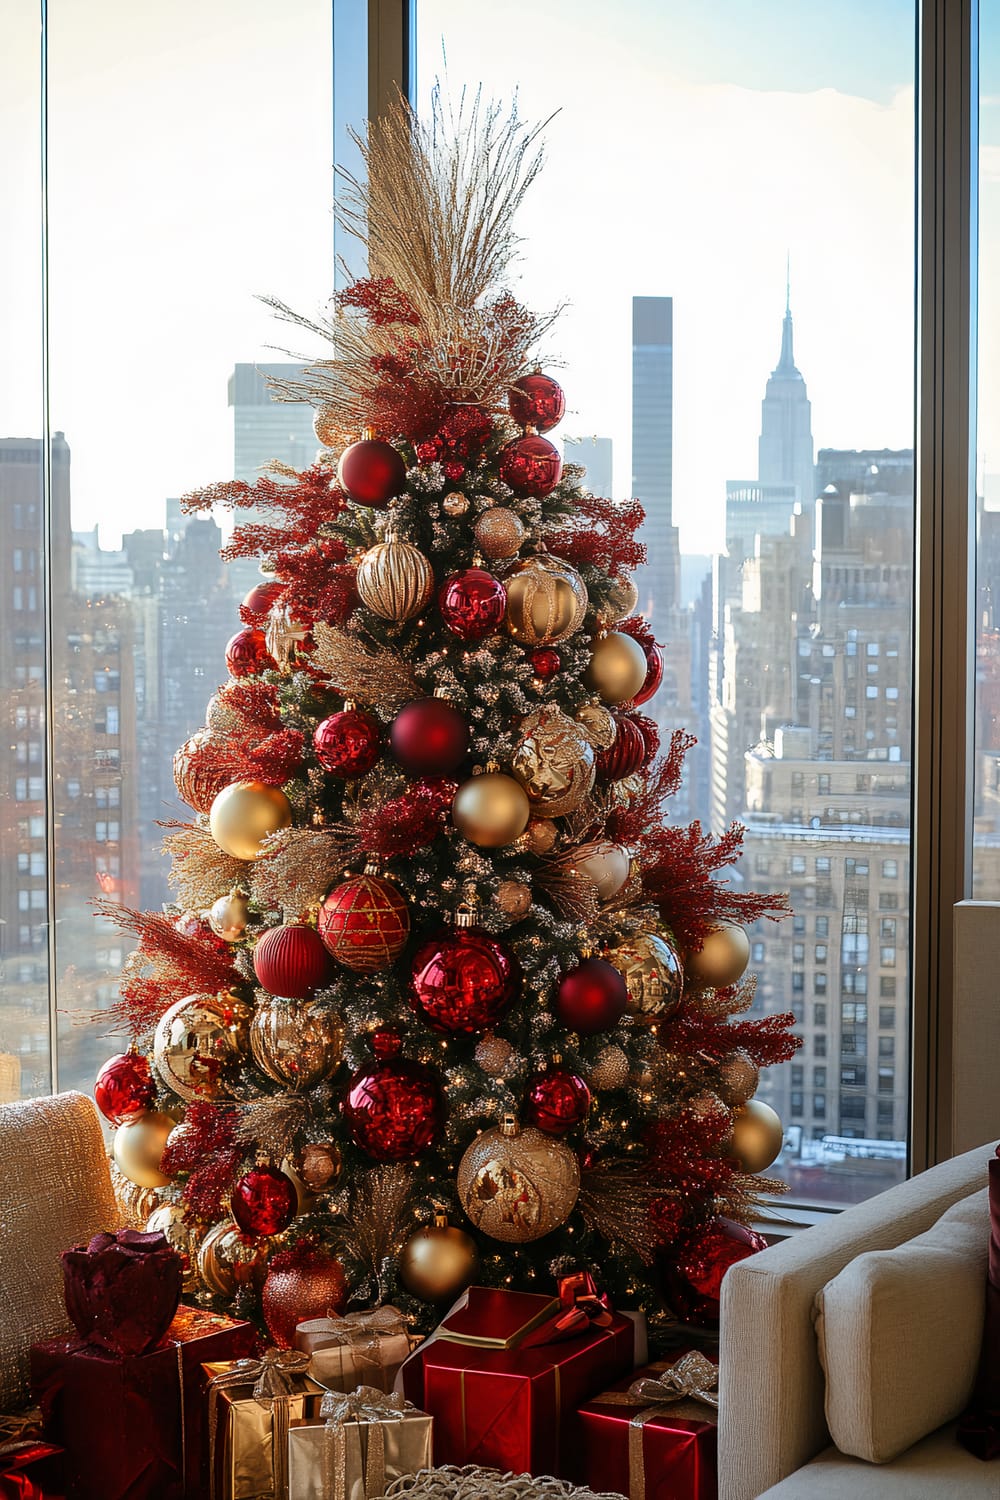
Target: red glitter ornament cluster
{"points": [[472, 603], [347, 743], [394, 1109], [530, 465], [557, 1100], [264, 1201], [247, 653], [429, 737], [302, 1282], [291, 961], [462, 981], [364, 923], [124, 1087], [592, 997], [204, 1147], [410, 821], [460, 439]]}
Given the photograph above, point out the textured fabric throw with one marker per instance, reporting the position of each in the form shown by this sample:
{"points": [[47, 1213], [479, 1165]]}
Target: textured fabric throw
{"points": [[473, 1483]]}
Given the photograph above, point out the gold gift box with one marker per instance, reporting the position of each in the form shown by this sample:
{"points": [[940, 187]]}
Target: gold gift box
{"points": [[242, 1457], [407, 1440], [357, 1350]]}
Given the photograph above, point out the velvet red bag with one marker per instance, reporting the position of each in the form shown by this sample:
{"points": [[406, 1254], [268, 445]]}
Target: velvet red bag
{"points": [[122, 1290]]}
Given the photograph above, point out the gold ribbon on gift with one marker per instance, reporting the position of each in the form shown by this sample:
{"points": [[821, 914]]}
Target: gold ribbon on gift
{"points": [[365, 1334], [369, 1408], [692, 1378], [273, 1380]]}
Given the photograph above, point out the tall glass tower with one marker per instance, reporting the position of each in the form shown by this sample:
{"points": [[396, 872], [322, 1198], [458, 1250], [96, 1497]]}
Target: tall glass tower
{"points": [[652, 451]]}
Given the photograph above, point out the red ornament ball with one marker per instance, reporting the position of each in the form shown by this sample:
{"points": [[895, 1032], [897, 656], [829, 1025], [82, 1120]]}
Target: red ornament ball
{"points": [[472, 603], [654, 674], [627, 753], [394, 1109], [124, 1087], [301, 1284], [429, 737], [537, 401], [530, 465], [247, 653], [371, 473], [545, 662], [557, 1100], [691, 1284], [462, 981], [592, 997], [291, 961], [364, 922], [264, 1201], [257, 604], [347, 743]]}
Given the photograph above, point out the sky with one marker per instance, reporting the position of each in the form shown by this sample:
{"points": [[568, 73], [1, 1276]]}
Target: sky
{"points": [[696, 144]]}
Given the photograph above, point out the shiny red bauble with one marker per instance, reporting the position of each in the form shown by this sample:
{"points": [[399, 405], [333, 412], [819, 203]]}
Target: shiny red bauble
{"points": [[537, 401], [557, 1100], [371, 473], [545, 662], [347, 743], [627, 752], [247, 653], [291, 961], [258, 602], [691, 1284], [530, 465], [301, 1285], [124, 1087], [429, 737], [364, 922], [462, 981], [264, 1201], [654, 674], [394, 1109], [472, 603], [592, 997]]}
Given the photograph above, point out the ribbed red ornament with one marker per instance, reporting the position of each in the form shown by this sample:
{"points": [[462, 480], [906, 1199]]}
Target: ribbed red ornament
{"points": [[654, 674], [291, 961], [557, 1100], [592, 997], [371, 473], [124, 1087], [394, 1109], [530, 465], [472, 603], [626, 754], [364, 923], [347, 743], [301, 1286], [537, 401], [462, 981], [247, 653], [429, 737], [264, 1201]]}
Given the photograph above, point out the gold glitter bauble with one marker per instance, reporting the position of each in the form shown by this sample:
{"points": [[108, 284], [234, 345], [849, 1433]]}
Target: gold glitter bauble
{"points": [[494, 1055], [138, 1146], [722, 957], [757, 1136], [610, 1068], [708, 1107], [325, 427], [514, 898], [228, 916], [439, 1261], [739, 1077], [598, 725], [318, 1164], [245, 814], [607, 865], [491, 810], [617, 667], [539, 837], [554, 762], [546, 600], [395, 580], [285, 638], [229, 1259], [455, 504], [296, 1042], [518, 1185], [200, 1045], [653, 973], [185, 1238], [622, 599], [499, 533]]}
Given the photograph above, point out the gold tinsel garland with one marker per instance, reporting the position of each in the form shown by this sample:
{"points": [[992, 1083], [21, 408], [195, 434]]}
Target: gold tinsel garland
{"points": [[380, 678], [199, 870], [300, 866]]}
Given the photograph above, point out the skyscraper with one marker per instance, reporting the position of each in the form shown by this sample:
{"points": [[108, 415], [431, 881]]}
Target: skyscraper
{"points": [[652, 452], [265, 429], [785, 447]]}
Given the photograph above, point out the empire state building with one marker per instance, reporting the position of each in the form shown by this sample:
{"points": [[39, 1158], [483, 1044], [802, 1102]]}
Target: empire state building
{"points": [[785, 446]]}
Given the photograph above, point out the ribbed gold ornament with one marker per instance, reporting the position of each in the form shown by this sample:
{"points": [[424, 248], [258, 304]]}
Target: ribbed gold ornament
{"points": [[395, 580], [245, 814], [229, 1259], [617, 667], [491, 810], [518, 1185], [546, 600], [499, 533], [200, 1045], [554, 762], [296, 1042], [653, 973]]}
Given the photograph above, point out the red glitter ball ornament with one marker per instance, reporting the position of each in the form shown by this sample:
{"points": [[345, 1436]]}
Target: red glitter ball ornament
{"points": [[364, 923], [530, 465], [394, 1109], [537, 401], [627, 752], [371, 473], [264, 1201], [557, 1100], [347, 743], [472, 603], [592, 997], [545, 662], [124, 1087], [691, 1285], [247, 653], [257, 603], [301, 1284], [291, 961], [462, 981], [654, 674], [429, 737], [442, 789]]}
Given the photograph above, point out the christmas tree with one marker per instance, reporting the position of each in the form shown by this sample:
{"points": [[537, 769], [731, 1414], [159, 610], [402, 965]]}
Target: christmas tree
{"points": [[444, 997]]}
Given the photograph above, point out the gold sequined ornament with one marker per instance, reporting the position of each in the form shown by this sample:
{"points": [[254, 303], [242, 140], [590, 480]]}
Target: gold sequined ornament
{"points": [[539, 837], [200, 1045], [607, 865], [739, 1077], [326, 428], [296, 1042], [514, 898], [722, 957], [597, 724], [455, 504], [516, 1184], [285, 638], [138, 1146], [617, 668], [499, 533], [622, 599], [185, 1238], [610, 1068], [494, 1054], [394, 579], [546, 600], [708, 1107], [757, 1136], [229, 915], [228, 1259], [491, 810], [653, 972], [554, 762], [439, 1261], [245, 814]]}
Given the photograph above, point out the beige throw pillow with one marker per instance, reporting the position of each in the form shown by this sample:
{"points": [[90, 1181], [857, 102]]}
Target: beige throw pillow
{"points": [[899, 1334]]}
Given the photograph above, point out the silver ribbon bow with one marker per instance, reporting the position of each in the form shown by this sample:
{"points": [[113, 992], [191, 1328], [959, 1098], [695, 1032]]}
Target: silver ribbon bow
{"points": [[692, 1378], [369, 1408], [363, 1333], [273, 1379]]}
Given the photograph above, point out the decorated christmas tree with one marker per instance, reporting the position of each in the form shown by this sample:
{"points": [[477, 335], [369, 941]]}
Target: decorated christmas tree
{"points": [[444, 996]]}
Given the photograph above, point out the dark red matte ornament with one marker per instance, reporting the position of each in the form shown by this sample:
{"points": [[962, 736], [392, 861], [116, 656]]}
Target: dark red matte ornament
{"points": [[429, 737], [371, 473], [592, 997]]}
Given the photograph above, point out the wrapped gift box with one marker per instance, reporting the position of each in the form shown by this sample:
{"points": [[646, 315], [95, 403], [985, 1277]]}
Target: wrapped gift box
{"points": [[31, 1469], [132, 1426], [367, 1438], [364, 1348], [649, 1438], [251, 1406], [503, 1376]]}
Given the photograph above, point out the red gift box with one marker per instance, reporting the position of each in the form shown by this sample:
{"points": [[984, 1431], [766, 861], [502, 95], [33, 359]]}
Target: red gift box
{"points": [[504, 1374], [636, 1440], [133, 1426], [30, 1470]]}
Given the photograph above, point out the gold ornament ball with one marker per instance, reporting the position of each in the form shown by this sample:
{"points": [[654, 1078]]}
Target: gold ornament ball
{"points": [[200, 1044], [598, 725], [134, 1203], [546, 600], [517, 1185], [617, 667], [499, 533], [439, 1261], [722, 957], [318, 1164], [491, 810], [296, 1042], [185, 1238], [514, 898], [539, 837], [610, 1069], [138, 1146], [494, 1055], [455, 504], [245, 814], [228, 1259], [325, 427], [739, 1077], [621, 601], [229, 915], [395, 580], [653, 973], [757, 1136], [554, 762], [607, 865]]}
